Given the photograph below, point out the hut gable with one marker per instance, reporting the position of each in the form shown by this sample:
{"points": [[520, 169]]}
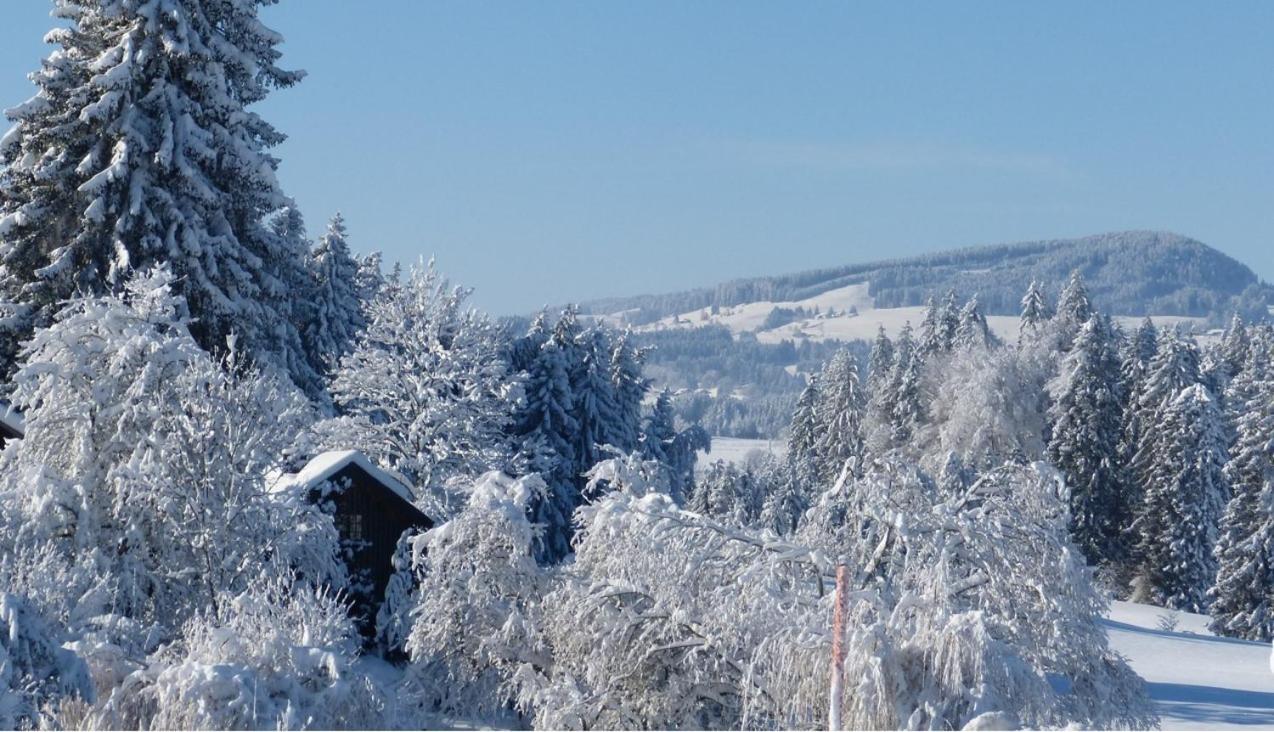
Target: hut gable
{"points": [[371, 509]]}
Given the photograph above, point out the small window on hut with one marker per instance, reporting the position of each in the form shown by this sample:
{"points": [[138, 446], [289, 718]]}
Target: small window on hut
{"points": [[351, 526]]}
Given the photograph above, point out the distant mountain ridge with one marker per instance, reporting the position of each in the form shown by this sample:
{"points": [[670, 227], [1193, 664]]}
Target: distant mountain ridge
{"points": [[1129, 273]]}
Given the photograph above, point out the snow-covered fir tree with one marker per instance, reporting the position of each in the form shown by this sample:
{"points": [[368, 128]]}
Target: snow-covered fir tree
{"points": [[1241, 596], [972, 330], [1035, 310], [676, 449], [839, 417], [337, 309], [1074, 308], [140, 148], [938, 331], [880, 361], [1086, 416], [1185, 493]]}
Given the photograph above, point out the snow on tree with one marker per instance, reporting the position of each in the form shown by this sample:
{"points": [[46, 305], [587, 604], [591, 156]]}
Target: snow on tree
{"points": [[786, 497], [630, 387], [368, 280], [1074, 307], [839, 417], [880, 361], [546, 426], [938, 332], [1174, 367], [972, 330], [139, 149], [729, 493], [802, 437], [426, 390], [1185, 495], [1240, 597], [144, 461], [337, 309], [729, 628], [1138, 355], [662, 441], [280, 654], [898, 409], [37, 675], [1086, 416], [984, 407], [479, 588], [1035, 310]]}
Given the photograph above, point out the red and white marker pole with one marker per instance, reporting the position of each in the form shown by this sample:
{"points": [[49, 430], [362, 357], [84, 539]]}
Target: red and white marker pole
{"points": [[838, 648]]}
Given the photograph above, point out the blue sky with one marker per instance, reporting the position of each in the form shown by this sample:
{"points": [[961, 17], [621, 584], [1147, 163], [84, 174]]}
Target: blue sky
{"points": [[547, 152]]}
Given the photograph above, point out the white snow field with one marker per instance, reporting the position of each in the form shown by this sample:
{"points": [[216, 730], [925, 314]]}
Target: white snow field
{"points": [[855, 318], [737, 450], [1198, 680]]}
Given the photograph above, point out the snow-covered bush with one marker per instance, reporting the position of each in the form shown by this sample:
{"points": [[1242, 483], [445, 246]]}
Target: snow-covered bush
{"points": [[36, 673], [144, 459], [279, 655], [426, 390], [478, 587]]}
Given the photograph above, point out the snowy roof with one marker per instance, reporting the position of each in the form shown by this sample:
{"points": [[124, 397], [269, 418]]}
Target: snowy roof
{"points": [[12, 419], [327, 464]]}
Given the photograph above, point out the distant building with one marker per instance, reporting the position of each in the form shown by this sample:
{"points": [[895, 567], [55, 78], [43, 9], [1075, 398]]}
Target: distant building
{"points": [[371, 509]]}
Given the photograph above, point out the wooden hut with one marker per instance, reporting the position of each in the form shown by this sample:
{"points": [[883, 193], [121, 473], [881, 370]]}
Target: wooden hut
{"points": [[371, 509]]}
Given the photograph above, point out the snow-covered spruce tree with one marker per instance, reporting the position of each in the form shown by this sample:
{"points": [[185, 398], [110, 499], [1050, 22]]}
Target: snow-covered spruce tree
{"points": [[972, 330], [138, 149], [730, 494], [545, 426], [1139, 353], [898, 409], [144, 460], [279, 654], [938, 332], [369, 280], [663, 442], [37, 675], [479, 588], [337, 317], [839, 417], [1240, 597], [1074, 308], [880, 361], [1185, 495], [426, 391], [1086, 415], [1035, 310], [802, 436], [786, 497], [630, 387], [1174, 367]]}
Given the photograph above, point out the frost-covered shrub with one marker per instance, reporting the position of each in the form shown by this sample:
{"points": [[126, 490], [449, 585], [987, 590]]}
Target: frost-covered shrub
{"points": [[478, 586], [280, 655], [956, 613], [36, 673]]}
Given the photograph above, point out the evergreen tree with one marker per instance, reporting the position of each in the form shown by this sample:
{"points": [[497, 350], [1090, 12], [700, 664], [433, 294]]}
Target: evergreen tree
{"points": [[972, 330], [1185, 495], [1174, 367], [907, 405], [630, 388], [1074, 308], [138, 149], [1234, 345], [1241, 597], [1140, 352], [337, 310], [369, 280], [1035, 309], [803, 435], [547, 428], [1086, 416], [839, 416], [880, 361]]}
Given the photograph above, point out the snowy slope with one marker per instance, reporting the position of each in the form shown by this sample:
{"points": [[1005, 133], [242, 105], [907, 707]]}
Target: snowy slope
{"points": [[1198, 680], [854, 317]]}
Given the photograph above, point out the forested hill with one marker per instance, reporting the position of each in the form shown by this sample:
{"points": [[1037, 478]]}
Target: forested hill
{"points": [[1130, 273]]}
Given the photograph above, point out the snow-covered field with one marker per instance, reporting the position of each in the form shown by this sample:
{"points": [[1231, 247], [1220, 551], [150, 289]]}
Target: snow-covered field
{"points": [[1198, 680], [855, 318], [737, 450]]}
